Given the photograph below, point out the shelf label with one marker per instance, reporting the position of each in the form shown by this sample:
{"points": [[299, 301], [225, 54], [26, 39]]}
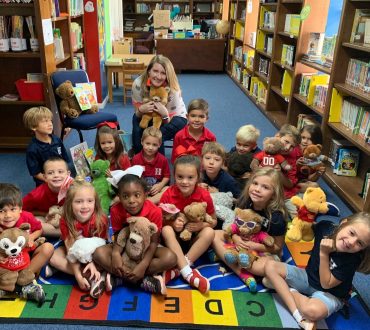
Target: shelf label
{"points": [[305, 12]]}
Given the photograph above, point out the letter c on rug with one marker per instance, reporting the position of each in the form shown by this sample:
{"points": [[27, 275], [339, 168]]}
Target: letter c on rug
{"points": [[218, 303], [262, 308], [176, 305]]}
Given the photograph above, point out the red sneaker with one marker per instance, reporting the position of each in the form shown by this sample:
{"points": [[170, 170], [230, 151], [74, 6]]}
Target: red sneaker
{"points": [[198, 281], [170, 274]]}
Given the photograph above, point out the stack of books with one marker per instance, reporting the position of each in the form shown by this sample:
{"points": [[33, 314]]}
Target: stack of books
{"points": [[344, 158]]}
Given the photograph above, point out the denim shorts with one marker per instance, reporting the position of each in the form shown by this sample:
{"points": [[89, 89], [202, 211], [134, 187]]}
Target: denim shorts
{"points": [[297, 279]]}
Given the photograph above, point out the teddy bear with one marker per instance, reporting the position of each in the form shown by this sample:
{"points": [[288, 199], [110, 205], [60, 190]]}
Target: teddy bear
{"points": [[69, 105], [247, 225], [195, 212], [223, 203], [312, 159], [156, 94], [98, 169], [270, 155], [135, 239], [83, 249], [54, 215], [313, 202], [14, 247]]}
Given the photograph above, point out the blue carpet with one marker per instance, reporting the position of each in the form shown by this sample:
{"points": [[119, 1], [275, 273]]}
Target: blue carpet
{"points": [[229, 109]]}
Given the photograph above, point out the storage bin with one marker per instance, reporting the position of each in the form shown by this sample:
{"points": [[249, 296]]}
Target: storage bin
{"points": [[30, 91]]}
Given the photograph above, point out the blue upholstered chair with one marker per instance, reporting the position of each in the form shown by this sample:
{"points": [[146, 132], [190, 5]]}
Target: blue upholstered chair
{"points": [[83, 122]]}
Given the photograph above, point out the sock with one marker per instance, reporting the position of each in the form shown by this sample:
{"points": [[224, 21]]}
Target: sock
{"points": [[297, 316], [186, 272]]}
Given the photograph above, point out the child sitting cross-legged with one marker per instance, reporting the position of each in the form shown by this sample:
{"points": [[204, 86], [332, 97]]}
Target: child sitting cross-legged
{"points": [[156, 169], [12, 216]]}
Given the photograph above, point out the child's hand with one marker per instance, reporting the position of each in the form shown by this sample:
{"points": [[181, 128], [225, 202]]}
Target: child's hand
{"points": [[94, 273], [194, 227], [156, 188], [136, 274], [327, 245], [212, 189], [30, 243], [160, 109], [82, 282], [239, 242], [108, 174], [178, 224]]}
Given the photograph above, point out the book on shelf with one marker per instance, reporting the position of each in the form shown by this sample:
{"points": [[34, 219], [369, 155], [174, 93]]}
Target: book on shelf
{"points": [[287, 54], [286, 84], [292, 24], [335, 146], [305, 84], [365, 186], [305, 120], [347, 162], [35, 77], [336, 104], [316, 79], [315, 43], [358, 26], [358, 74]]}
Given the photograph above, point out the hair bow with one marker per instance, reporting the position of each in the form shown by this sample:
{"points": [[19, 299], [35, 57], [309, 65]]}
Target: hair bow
{"points": [[119, 174], [181, 151], [110, 124]]}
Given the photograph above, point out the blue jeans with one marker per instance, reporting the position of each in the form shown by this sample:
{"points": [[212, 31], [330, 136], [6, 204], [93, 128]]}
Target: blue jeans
{"points": [[168, 130]]}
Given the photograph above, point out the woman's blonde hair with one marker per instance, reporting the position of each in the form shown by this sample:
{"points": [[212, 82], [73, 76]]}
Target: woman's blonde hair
{"points": [[70, 217], [276, 203], [364, 218], [172, 81]]}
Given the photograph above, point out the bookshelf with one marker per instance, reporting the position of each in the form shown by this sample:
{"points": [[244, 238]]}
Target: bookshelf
{"points": [[16, 65]]}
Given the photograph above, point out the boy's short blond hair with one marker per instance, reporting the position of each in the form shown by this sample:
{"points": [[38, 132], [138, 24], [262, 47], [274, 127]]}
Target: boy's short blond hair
{"points": [[248, 133], [152, 131], [198, 104], [290, 130], [34, 115], [214, 148]]}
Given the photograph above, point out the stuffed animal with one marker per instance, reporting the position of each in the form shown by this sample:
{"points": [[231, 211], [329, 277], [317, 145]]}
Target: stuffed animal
{"points": [[223, 203], [237, 165], [312, 159], [83, 249], [313, 202], [54, 215], [103, 188], [195, 212], [247, 225], [169, 213], [69, 105], [14, 247], [270, 155], [135, 240], [156, 94]]}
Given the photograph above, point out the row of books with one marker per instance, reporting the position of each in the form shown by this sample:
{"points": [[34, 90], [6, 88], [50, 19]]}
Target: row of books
{"points": [[292, 24], [344, 158], [267, 18], [264, 66], [233, 10], [236, 71], [143, 8], [246, 79], [183, 10], [365, 187], [267, 47], [76, 36], [258, 89], [361, 27], [239, 30], [358, 74], [308, 84], [79, 61], [305, 119], [287, 54], [248, 59], [76, 7], [319, 98], [238, 53]]}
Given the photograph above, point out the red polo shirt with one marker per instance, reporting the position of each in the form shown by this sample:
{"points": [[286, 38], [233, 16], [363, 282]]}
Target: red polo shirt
{"points": [[27, 217], [40, 199], [86, 229], [150, 211], [184, 143], [158, 168], [174, 196]]}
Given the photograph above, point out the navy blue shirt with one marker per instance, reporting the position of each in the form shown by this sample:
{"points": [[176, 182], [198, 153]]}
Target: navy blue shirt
{"points": [[342, 265], [224, 182], [38, 152]]}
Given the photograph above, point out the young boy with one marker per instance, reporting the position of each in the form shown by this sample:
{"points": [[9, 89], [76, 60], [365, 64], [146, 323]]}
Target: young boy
{"points": [[157, 171], [214, 177], [191, 138], [238, 159], [51, 192], [44, 144], [11, 215]]}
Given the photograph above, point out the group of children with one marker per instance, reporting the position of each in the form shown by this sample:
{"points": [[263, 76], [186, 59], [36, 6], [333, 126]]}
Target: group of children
{"points": [[200, 167]]}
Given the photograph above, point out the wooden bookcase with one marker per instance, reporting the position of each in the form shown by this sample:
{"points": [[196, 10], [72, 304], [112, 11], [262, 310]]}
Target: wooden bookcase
{"points": [[16, 65], [140, 10]]}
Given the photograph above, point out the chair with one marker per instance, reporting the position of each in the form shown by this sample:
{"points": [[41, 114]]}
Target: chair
{"points": [[83, 122], [144, 46], [130, 71]]}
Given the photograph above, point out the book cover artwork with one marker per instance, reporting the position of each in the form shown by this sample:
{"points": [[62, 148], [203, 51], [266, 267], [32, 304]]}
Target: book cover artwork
{"points": [[79, 159], [82, 99], [348, 160]]}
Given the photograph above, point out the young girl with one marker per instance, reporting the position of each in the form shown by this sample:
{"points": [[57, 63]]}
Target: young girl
{"points": [[182, 193], [108, 146], [132, 193], [264, 194], [320, 289], [83, 217]]}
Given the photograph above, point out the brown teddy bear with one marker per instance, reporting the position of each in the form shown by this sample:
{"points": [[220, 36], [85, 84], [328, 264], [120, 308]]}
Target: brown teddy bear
{"points": [[270, 155], [156, 94], [135, 240], [312, 159], [247, 225], [54, 215], [14, 249], [69, 105], [313, 202], [195, 212]]}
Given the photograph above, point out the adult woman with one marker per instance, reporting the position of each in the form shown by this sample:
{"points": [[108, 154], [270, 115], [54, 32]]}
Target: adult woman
{"points": [[160, 72]]}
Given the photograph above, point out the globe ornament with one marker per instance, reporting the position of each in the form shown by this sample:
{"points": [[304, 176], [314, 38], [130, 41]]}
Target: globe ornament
{"points": [[222, 27]]}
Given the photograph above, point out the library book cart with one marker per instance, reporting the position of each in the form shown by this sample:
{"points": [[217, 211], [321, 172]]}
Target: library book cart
{"points": [[17, 64], [260, 38]]}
